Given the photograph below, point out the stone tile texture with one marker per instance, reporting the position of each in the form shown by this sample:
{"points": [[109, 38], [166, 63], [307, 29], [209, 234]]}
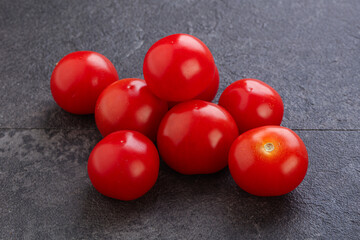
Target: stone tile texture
{"points": [[46, 194], [309, 51]]}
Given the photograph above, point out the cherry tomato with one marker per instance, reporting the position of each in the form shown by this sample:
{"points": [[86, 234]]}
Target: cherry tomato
{"points": [[209, 93], [268, 161], [194, 137], [124, 165], [79, 78], [252, 103], [128, 104], [178, 67]]}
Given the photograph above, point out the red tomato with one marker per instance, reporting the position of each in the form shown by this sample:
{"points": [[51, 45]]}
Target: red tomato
{"points": [[178, 67], [124, 165], [209, 93], [79, 78], [194, 137], [268, 161], [252, 103], [129, 105]]}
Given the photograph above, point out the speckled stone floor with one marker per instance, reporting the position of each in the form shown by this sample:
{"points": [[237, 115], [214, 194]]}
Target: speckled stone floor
{"points": [[309, 51]]}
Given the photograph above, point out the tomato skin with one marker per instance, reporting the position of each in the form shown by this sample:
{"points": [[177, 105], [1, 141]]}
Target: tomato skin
{"points": [[79, 78], [128, 104], [194, 137], [209, 93], [178, 67], [124, 165], [268, 170], [252, 103]]}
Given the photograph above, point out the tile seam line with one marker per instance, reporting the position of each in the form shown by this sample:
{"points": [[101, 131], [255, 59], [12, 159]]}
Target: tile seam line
{"points": [[326, 130], [294, 129]]}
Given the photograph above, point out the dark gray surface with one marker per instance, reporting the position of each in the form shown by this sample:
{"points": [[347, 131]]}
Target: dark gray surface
{"points": [[307, 50], [48, 195]]}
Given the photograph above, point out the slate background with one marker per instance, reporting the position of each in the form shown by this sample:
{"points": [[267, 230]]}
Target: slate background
{"points": [[309, 51]]}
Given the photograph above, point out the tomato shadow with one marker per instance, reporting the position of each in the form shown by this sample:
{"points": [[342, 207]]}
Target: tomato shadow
{"points": [[217, 196], [255, 215], [57, 118], [180, 202], [99, 213]]}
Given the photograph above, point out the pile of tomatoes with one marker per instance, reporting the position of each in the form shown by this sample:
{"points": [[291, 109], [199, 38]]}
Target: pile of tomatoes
{"points": [[172, 108]]}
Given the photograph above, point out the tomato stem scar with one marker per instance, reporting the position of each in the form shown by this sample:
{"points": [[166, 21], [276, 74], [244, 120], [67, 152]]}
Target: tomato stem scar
{"points": [[269, 147]]}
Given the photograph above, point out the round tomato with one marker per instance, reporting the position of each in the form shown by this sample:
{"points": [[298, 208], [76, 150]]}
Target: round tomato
{"points": [[79, 78], [194, 137], [129, 105], [268, 161], [209, 93], [252, 103], [124, 165], [178, 67]]}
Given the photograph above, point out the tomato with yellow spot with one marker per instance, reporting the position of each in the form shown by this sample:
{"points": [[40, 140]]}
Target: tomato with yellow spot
{"points": [[268, 161]]}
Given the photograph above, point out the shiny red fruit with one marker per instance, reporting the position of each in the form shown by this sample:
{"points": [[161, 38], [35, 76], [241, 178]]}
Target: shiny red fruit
{"points": [[209, 93], [79, 78], [178, 67], [194, 137], [128, 104], [252, 103], [124, 165], [268, 161]]}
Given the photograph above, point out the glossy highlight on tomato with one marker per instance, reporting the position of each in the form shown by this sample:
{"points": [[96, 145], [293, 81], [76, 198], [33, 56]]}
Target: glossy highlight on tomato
{"points": [[209, 93], [128, 104], [268, 161], [79, 78], [194, 137], [252, 103], [178, 67], [124, 165]]}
